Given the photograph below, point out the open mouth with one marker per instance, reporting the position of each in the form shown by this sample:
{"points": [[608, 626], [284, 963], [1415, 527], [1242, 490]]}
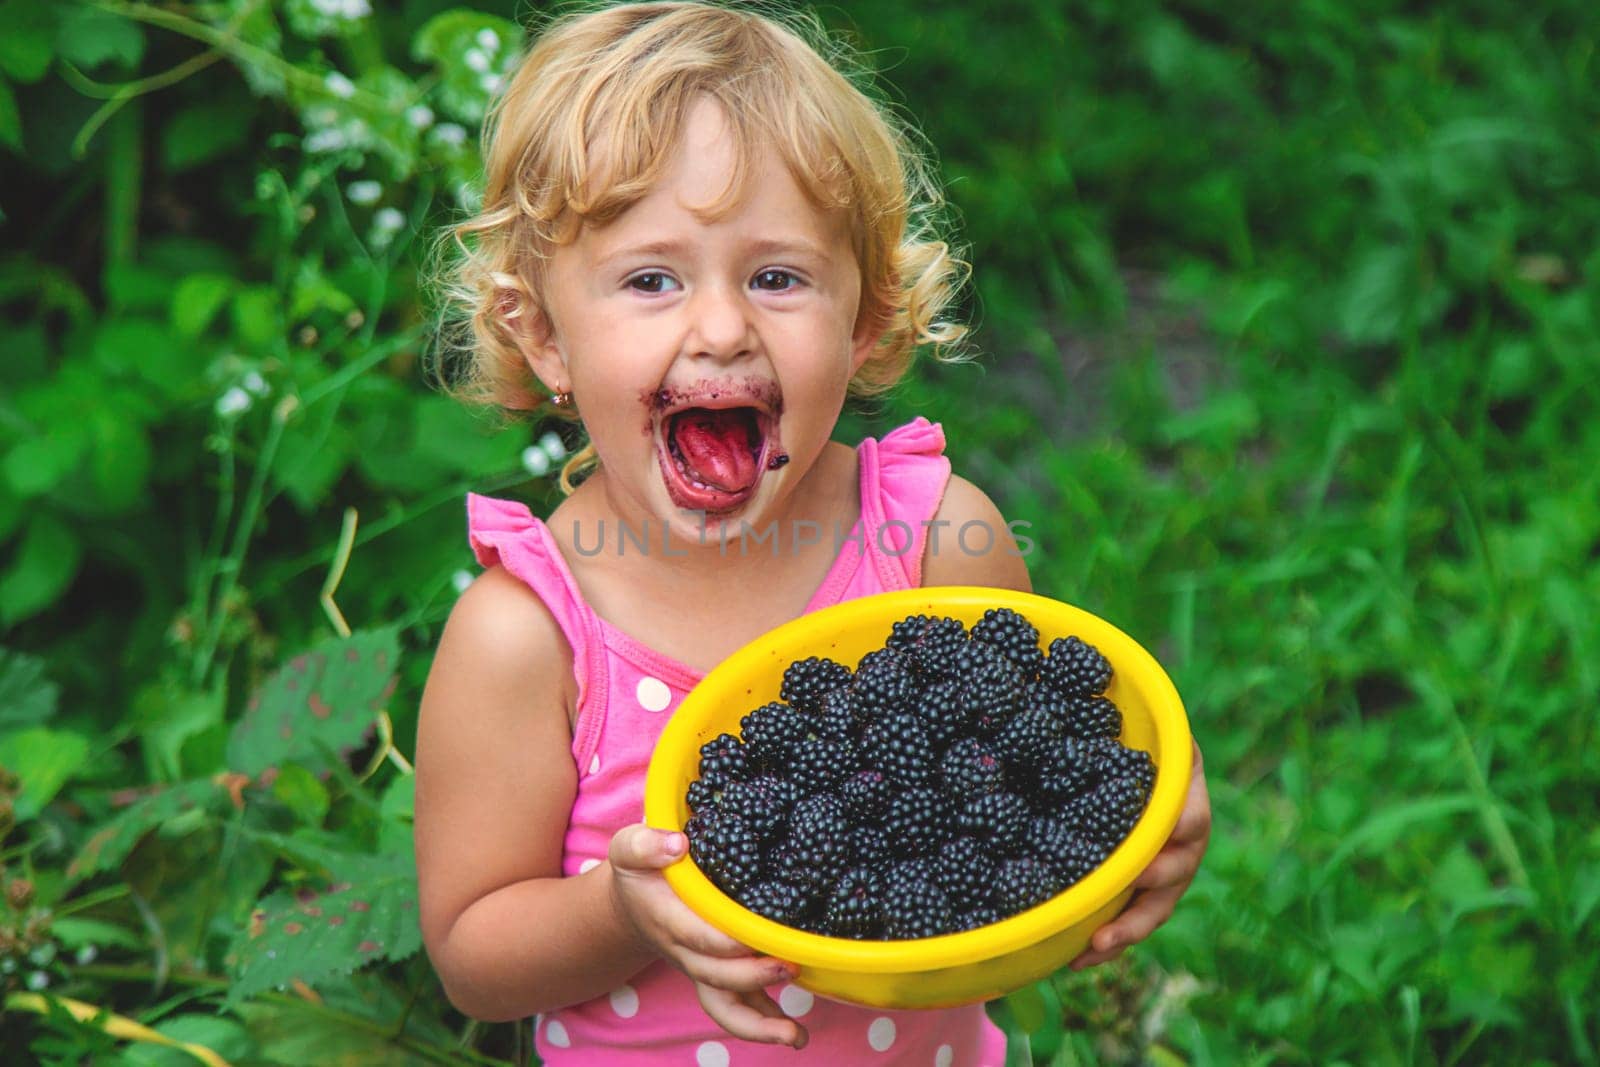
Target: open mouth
{"points": [[713, 458]]}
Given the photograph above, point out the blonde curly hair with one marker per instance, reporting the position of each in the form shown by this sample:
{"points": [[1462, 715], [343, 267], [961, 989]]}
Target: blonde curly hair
{"points": [[629, 72]]}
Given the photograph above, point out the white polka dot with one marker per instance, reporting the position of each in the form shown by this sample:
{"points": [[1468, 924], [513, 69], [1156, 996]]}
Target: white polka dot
{"points": [[711, 1054], [594, 765], [588, 865], [625, 1001], [556, 1034], [880, 1035], [944, 1057], [795, 1001], [653, 694]]}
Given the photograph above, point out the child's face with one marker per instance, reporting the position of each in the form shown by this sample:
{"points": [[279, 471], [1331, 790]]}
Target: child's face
{"points": [[699, 351]]}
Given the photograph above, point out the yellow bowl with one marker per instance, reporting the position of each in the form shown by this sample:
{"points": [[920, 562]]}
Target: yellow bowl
{"points": [[950, 969]]}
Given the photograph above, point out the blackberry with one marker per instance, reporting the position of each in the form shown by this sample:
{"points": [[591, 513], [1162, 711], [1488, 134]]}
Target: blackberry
{"points": [[880, 658], [868, 845], [1076, 668], [865, 793], [1130, 763], [807, 681], [983, 915], [763, 803], [1089, 717], [941, 710], [812, 862], [971, 768], [771, 732], [821, 765], [1026, 740], [915, 820], [1042, 697], [898, 745], [778, 900], [1020, 883], [1070, 854], [991, 689], [700, 797], [1109, 812], [1068, 770], [932, 644], [1014, 636], [964, 870], [913, 906], [855, 906], [997, 819], [724, 759], [726, 849], [882, 687], [838, 717]]}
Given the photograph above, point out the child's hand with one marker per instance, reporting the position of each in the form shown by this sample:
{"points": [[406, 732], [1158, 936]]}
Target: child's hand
{"points": [[729, 978], [1163, 882]]}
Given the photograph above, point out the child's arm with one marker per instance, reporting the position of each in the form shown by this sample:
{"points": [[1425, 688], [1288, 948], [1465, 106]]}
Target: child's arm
{"points": [[1170, 873], [507, 934]]}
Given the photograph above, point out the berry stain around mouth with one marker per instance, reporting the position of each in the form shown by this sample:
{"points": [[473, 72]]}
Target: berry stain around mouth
{"points": [[715, 440]]}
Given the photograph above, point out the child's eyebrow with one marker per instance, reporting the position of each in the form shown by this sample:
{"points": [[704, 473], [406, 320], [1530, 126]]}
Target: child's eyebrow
{"points": [[768, 246]]}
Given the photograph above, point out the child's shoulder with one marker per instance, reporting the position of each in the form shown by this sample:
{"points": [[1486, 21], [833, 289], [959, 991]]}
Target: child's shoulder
{"points": [[974, 544]]}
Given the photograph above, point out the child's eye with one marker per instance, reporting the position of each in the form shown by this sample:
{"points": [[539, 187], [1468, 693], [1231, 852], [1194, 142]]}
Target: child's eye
{"points": [[653, 281], [774, 280]]}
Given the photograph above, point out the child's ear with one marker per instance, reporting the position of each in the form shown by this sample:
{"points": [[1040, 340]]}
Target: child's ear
{"points": [[864, 341], [530, 329]]}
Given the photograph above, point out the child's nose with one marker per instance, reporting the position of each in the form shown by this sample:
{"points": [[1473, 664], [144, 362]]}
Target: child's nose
{"points": [[720, 323]]}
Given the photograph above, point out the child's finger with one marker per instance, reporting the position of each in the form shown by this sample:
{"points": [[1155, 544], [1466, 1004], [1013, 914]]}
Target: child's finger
{"points": [[742, 1015], [1148, 911], [747, 974], [640, 848]]}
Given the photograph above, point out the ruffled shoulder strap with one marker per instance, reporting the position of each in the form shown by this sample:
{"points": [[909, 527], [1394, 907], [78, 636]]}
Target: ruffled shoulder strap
{"points": [[903, 477], [508, 533]]}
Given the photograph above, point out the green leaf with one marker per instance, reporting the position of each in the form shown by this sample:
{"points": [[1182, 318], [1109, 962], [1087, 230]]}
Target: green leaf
{"points": [[257, 315], [364, 910], [166, 714], [147, 350], [36, 465], [10, 118], [43, 566], [226, 1037], [197, 300], [200, 133], [302, 793], [472, 50], [318, 706], [109, 845], [27, 37], [27, 697], [44, 760], [1376, 295], [1027, 1007], [74, 931], [89, 36]]}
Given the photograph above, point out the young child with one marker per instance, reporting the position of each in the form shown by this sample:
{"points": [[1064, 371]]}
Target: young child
{"points": [[698, 237]]}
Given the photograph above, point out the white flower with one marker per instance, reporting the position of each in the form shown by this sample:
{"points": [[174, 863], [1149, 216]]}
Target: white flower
{"points": [[388, 219], [255, 385], [476, 60], [461, 580], [86, 954], [451, 134], [364, 192], [234, 402], [38, 980], [488, 40], [536, 461], [420, 116], [330, 140], [491, 83], [339, 85], [553, 446], [356, 9], [323, 115]]}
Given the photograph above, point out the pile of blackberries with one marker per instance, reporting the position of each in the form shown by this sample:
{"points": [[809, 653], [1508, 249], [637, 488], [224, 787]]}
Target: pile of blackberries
{"points": [[952, 779]]}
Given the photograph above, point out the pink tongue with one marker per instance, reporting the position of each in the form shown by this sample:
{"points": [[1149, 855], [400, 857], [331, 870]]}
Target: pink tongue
{"points": [[717, 447]]}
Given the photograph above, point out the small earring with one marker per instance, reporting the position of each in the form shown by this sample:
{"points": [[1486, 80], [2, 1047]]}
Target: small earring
{"points": [[563, 399]]}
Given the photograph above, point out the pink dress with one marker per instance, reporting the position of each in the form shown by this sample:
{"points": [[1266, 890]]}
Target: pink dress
{"points": [[626, 692]]}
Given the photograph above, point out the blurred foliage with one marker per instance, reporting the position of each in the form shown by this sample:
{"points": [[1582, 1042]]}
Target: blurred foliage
{"points": [[1290, 328]]}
